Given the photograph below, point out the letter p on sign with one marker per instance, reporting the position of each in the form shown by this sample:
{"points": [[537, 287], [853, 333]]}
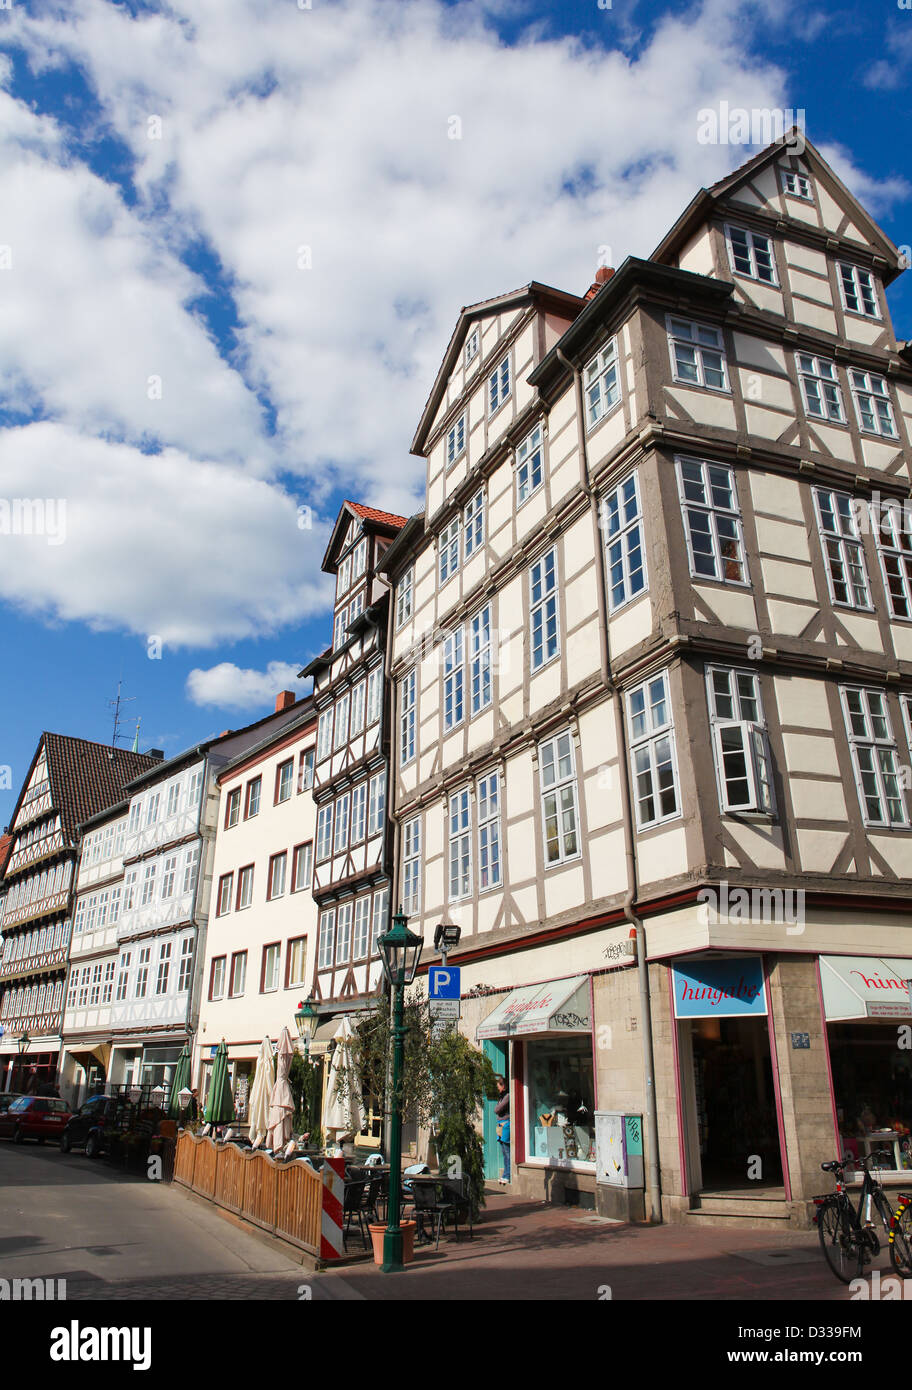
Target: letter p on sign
{"points": [[444, 982]]}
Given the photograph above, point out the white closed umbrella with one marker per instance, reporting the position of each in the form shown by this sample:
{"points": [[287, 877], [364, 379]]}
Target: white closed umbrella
{"points": [[342, 1111], [281, 1101], [261, 1092]]}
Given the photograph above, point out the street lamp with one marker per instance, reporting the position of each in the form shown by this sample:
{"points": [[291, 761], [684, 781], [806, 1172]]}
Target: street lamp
{"points": [[446, 936], [306, 1020], [399, 949]]}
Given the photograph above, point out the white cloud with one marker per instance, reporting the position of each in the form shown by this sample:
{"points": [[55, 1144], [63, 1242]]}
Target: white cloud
{"points": [[230, 687], [875, 195], [890, 73]]}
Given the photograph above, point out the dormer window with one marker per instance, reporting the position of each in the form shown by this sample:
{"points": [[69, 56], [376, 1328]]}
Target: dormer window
{"points": [[471, 347], [797, 185], [752, 254]]}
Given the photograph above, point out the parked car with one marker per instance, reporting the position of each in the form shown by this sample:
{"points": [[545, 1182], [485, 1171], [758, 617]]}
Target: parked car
{"points": [[98, 1116], [7, 1098], [34, 1117]]}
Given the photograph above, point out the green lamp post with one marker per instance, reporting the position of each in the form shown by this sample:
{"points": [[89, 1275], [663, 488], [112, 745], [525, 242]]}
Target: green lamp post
{"points": [[306, 1020], [400, 950]]}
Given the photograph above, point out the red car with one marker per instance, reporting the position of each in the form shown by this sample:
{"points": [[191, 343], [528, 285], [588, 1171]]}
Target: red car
{"points": [[34, 1117]]}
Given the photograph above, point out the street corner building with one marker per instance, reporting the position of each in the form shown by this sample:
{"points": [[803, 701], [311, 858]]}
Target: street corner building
{"points": [[651, 670]]}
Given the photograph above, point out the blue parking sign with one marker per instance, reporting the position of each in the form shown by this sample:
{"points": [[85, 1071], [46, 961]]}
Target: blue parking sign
{"points": [[444, 981]]}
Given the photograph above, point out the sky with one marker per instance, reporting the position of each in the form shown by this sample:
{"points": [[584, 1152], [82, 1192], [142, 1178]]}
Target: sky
{"points": [[235, 236]]}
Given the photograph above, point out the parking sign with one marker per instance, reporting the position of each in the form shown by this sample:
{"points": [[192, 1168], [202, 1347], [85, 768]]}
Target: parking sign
{"points": [[444, 982]]}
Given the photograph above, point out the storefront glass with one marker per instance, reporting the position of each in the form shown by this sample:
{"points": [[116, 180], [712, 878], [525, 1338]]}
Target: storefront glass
{"points": [[158, 1065], [872, 1085], [561, 1100]]}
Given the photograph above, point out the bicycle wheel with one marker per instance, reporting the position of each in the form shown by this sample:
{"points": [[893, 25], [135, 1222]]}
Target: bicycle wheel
{"points": [[901, 1241], [840, 1242]]}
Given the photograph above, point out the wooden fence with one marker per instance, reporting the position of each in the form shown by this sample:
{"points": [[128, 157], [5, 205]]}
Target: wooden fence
{"points": [[283, 1198]]}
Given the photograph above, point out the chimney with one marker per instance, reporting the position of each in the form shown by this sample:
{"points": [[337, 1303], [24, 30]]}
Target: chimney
{"points": [[157, 753], [602, 276], [284, 699]]}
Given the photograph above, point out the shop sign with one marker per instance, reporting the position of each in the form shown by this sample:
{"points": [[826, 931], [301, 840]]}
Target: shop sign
{"points": [[714, 988], [559, 1007], [865, 987]]}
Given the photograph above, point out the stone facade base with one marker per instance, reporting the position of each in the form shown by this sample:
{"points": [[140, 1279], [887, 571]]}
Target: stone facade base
{"points": [[560, 1187], [753, 1213]]}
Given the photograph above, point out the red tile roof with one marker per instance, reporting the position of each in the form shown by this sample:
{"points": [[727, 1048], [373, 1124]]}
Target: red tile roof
{"points": [[5, 842], [371, 514], [88, 777]]}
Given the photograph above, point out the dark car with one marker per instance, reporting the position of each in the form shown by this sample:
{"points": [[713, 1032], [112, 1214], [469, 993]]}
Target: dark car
{"points": [[34, 1117], [87, 1128], [7, 1098]]}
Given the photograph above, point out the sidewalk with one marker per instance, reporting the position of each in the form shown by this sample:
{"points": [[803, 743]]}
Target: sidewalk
{"points": [[530, 1251]]}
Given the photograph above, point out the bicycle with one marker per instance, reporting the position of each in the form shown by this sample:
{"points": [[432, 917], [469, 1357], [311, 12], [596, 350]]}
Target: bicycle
{"points": [[848, 1240], [901, 1237]]}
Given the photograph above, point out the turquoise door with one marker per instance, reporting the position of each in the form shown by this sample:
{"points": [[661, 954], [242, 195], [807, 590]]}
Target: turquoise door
{"points": [[497, 1051]]}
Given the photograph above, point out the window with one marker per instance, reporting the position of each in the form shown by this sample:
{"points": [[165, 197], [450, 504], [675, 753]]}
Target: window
{"points": [[894, 545], [302, 864], [341, 835], [173, 799], [796, 185], [874, 756], [499, 385], [327, 939], [357, 708], [374, 695], [543, 609], [480, 659], [148, 885], [194, 788], [169, 871], [623, 526], [324, 735], [652, 753], [152, 808], [284, 781], [820, 387], [411, 867], [217, 978], [601, 383], [190, 863], [224, 894], [142, 973], [471, 347], [358, 812], [245, 887], [238, 974], [559, 799], [712, 521], [359, 559], [164, 968], [752, 254], [129, 890], [377, 807], [252, 804], [343, 579], [305, 770], [96, 985], [453, 680], [324, 832], [233, 808], [858, 293], [186, 965], [270, 968], [529, 465], [407, 719], [872, 401], [842, 548], [474, 524], [362, 928], [455, 443], [135, 813], [697, 354], [404, 590], [740, 741], [460, 845], [340, 731], [339, 627], [296, 961], [108, 982], [356, 607], [489, 831], [448, 550], [277, 866], [343, 933]]}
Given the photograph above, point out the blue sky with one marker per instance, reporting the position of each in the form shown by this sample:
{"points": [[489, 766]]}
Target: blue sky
{"points": [[240, 234]]}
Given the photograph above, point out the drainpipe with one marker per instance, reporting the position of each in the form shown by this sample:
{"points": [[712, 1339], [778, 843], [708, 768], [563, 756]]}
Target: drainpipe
{"points": [[652, 1139]]}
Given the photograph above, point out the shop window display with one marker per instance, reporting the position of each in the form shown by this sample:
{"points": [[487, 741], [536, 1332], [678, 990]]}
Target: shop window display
{"points": [[872, 1083], [561, 1100]]}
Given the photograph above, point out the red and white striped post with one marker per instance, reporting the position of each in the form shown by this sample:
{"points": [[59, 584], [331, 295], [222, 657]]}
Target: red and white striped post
{"points": [[332, 1246]]}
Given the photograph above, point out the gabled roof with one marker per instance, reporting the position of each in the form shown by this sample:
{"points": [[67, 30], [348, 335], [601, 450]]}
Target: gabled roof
{"points": [[376, 520], [86, 777], [560, 300], [702, 205]]}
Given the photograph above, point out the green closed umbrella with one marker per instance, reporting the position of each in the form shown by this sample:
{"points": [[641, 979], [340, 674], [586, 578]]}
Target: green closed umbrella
{"points": [[180, 1081], [220, 1102]]}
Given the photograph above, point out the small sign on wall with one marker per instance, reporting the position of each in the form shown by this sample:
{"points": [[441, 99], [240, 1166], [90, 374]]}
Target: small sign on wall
{"points": [[801, 1040]]}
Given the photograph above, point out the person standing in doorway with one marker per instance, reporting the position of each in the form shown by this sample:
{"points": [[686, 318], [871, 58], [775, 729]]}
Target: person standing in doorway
{"points": [[502, 1120]]}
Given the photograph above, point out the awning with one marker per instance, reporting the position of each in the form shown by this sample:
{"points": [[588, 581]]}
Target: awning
{"points": [[561, 1006], [91, 1054], [323, 1036], [865, 987]]}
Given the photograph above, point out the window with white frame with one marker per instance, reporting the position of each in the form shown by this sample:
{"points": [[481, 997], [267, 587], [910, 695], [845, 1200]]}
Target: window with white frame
{"points": [[186, 965], [622, 521], [173, 799], [148, 884], [380, 922], [135, 813], [460, 844], [842, 547], [252, 803], [377, 807], [108, 982], [820, 388], [359, 559], [233, 808], [601, 383], [488, 797], [499, 385], [343, 933], [142, 973], [358, 812], [340, 841], [271, 964], [277, 866], [697, 354], [471, 346], [356, 607], [448, 547], [238, 974], [796, 185], [305, 770], [480, 659], [894, 545], [152, 808], [191, 860], [873, 404], [361, 936], [751, 254], [164, 968], [543, 623], [859, 293], [340, 728], [343, 579], [453, 680], [339, 627], [223, 903], [284, 781], [530, 471], [245, 887], [474, 525], [404, 591], [411, 867], [96, 984], [652, 752], [407, 715], [296, 961], [357, 708], [374, 695], [301, 867], [324, 832], [874, 756], [194, 787], [560, 813], [129, 893], [712, 521], [740, 742], [324, 735], [327, 939], [455, 441]]}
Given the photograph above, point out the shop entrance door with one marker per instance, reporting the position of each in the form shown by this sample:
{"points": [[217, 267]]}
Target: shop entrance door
{"points": [[737, 1127], [493, 1159]]}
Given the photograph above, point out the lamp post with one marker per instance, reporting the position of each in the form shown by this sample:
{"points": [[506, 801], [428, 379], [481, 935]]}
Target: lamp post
{"points": [[400, 950], [306, 1020], [22, 1044]]}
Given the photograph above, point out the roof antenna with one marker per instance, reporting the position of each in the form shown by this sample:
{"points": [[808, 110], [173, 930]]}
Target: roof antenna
{"points": [[115, 706]]}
